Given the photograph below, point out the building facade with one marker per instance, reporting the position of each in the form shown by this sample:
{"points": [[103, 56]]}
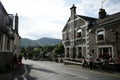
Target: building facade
{"points": [[7, 37], [84, 35], [17, 37], [104, 37], [75, 35]]}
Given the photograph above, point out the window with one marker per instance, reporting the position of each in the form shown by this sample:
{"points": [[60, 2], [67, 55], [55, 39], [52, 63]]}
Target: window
{"points": [[79, 52], [79, 33], [1, 42], [8, 44], [100, 35], [105, 52], [63, 36], [67, 35], [67, 52], [74, 52]]}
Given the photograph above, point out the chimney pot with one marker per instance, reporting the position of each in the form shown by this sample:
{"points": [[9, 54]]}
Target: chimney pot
{"points": [[102, 13], [73, 10]]}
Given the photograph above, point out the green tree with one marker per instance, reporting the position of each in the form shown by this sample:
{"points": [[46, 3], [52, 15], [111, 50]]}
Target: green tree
{"points": [[59, 49], [37, 51]]}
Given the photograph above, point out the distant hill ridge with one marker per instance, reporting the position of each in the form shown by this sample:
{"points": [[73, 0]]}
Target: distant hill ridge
{"points": [[25, 42]]}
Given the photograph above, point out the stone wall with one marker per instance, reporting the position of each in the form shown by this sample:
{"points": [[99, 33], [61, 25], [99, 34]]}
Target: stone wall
{"points": [[5, 59], [112, 38]]}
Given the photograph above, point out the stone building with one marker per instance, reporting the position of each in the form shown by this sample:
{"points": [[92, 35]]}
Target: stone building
{"points": [[17, 37], [104, 37], [8, 37], [84, 35], [75, 35]]}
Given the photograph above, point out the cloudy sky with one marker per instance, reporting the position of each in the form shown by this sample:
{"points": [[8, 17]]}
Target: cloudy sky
{"points": [[47, 18]]}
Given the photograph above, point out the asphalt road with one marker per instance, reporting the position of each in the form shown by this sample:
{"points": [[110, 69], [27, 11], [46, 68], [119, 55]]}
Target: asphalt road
{"points": [[45, 70]]}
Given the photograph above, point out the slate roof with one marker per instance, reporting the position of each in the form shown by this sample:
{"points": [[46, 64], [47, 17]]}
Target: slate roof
{"points": [[109, 19], [2, 7], [66, 28], [86, 18], [94, 22]]}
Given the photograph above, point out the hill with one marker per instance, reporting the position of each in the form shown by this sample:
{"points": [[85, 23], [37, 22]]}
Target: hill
{"points": [[24, 42]]}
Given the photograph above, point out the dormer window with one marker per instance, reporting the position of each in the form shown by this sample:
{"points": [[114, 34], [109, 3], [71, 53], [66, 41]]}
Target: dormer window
{"points": [[100, 35], [79, 33]]}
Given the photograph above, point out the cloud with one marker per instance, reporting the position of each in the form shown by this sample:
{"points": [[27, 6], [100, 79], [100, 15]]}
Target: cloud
{"points": [[91, 7], [47, 18]]}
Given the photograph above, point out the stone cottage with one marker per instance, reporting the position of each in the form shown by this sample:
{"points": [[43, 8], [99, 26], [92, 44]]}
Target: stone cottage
{"points": [[84, 35], [75, 35], [9, 37]]}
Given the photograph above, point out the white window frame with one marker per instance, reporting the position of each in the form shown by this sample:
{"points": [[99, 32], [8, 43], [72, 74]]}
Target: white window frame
{"points": [[105, 46], [97, 35], [77, 32], [78, 51]]}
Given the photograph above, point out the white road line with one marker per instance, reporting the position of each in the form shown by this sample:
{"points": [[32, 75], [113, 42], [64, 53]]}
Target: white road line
{"points": [[25, 78], [26, 71], [76, 75], [16, 79]]}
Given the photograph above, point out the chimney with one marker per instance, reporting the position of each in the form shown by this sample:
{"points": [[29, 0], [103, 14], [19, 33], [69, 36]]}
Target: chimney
{"points": [[102, 13], [73, 10], [16, 23]]}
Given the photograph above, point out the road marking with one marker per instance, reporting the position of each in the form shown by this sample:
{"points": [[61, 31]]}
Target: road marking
{"points": [[25, 78], [26, 71], [76, 75], [93, 71], [16, 79]]}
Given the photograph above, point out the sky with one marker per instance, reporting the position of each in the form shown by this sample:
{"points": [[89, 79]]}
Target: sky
{"points": [[47, 18]]}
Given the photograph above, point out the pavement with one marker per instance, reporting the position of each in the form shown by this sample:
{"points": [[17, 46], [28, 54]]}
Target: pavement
{"points": [[45, 70], [13, 74], [21, 73], [111, 73]]}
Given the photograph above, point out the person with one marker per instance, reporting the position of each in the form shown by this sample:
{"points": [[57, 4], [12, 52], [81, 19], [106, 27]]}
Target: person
{"points": [[111, 60], [15, 61], [98, 63], [90, 61], [118, 64], [118, 60], [20, 60], [85, 64]]}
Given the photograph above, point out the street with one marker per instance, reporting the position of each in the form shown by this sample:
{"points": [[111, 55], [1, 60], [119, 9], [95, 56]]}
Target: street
{"points": [[45, 70]]}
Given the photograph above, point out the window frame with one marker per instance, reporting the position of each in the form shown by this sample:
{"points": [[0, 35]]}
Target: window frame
{"points": [[67, 36], [79, 32], [102, 29], [101, 49], [1, 41], [80, 52]]}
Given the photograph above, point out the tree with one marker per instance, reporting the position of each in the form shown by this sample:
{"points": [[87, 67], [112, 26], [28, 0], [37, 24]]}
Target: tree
{"points": [[37, 51], [23, 52], [59, 49]]}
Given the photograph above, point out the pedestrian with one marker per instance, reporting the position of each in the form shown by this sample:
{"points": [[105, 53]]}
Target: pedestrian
{"points": [[118, 60], [20, 60], [90, 61], [84, 62], [15, 61]]}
